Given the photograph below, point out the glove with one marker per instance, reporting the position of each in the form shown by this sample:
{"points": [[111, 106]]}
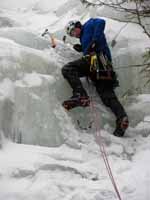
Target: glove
{"points": [[77, 47]]}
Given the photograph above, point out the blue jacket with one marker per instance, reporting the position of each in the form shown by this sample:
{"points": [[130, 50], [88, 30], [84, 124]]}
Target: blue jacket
{"points": [[93, 31]]}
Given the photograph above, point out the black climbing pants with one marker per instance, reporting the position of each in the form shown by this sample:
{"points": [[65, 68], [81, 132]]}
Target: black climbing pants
{"points": [[73, 71]]}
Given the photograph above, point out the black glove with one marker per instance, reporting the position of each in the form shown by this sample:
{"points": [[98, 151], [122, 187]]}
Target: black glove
{"points": [[77, 47]]}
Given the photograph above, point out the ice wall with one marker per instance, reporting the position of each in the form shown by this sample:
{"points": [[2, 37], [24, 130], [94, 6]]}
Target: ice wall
{"points": [[32, 87], [32, 90]]}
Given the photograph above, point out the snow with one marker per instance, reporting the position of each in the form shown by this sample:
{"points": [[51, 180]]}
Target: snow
{"points": [[33, 80], [40, 172], [7, 89], [44, 154]]}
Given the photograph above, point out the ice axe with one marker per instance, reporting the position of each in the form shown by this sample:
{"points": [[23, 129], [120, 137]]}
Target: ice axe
{"points": [[46, 32]]}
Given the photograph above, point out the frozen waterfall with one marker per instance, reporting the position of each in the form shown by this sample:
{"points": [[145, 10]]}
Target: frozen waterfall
{"points": [[32, 87]]}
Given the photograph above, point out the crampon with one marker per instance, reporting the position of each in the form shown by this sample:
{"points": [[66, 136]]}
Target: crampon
{"points": [[76, 102]]}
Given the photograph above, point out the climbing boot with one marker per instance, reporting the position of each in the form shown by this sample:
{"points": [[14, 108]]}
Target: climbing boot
{"points": [[121, 126]]}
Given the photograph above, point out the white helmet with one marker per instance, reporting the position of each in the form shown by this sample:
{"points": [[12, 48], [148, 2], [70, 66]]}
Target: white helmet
{"points": [[72, 25]]}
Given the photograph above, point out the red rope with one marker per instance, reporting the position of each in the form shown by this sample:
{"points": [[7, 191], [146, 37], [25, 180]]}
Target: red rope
{"points": [[98, 139]]}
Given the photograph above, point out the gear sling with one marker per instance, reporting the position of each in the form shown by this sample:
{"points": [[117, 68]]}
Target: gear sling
{"points": [[101, 67]]}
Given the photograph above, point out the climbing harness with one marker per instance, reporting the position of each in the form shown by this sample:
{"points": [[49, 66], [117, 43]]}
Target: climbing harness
{"points": [[101, 66]]}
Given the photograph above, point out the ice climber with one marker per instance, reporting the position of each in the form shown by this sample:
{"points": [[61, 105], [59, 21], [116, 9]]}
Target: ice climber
{"points": [[96, 63]]}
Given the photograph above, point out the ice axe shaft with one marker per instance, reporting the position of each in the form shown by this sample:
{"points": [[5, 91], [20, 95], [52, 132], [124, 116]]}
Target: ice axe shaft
{"points": [[46, 32]]}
